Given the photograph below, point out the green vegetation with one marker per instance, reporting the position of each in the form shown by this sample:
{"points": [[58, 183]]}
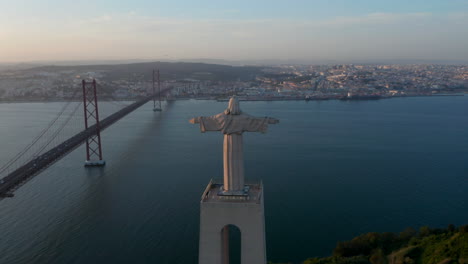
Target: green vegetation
{"points": [[426, 246]]}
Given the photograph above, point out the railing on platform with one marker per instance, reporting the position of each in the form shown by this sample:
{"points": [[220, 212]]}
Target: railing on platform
{"points": [[213, 187]]}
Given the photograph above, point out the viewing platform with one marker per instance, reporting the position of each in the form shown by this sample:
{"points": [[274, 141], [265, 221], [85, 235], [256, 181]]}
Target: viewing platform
{"points": [[213, 193]]}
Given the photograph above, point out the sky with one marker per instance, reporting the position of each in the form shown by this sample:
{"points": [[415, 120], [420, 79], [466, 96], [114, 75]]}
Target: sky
{"points": [[241, 30]]}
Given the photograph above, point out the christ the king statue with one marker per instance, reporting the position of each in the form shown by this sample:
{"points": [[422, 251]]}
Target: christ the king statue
{"points": [[232, 123]]}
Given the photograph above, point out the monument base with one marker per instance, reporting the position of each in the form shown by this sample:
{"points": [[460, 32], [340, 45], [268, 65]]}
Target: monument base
{"points": [[245, 211], [243, 192]]}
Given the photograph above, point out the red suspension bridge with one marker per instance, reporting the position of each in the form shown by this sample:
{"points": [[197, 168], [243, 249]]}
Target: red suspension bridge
{"points": [[43, 152]]}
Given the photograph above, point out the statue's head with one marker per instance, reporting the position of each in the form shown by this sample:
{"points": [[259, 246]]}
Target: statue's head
{"points": [[233, 107]]}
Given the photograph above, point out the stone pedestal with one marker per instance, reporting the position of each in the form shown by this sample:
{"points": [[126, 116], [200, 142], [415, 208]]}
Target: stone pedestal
{"points": [[243, 211]]}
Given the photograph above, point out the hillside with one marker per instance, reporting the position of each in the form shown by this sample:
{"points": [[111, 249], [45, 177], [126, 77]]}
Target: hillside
{"points": [[426, 246], [169, 70]]}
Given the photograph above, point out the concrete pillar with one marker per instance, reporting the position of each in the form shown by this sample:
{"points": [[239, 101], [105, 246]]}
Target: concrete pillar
{"points": [[248, 215]]}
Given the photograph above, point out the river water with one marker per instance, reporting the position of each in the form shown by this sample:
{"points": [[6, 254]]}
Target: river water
{"points": [[331, 170]]}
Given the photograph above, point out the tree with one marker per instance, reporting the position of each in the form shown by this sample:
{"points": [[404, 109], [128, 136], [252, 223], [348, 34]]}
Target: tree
{"points": [[451, 228], [377, 257], [424, 231], [464, 229], [407, 234]]}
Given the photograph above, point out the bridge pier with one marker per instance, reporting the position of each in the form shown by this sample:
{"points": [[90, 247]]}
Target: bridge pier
{"points": [[89, 163]]}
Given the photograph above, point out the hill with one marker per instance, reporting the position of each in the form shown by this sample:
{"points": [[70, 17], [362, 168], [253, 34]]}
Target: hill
{"points": [[169, 70], [426, 246]]}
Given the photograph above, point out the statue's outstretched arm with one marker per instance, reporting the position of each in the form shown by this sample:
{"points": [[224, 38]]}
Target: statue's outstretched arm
{"points": [[269, 120], [195, 120], [257, 124], [209, 123]]}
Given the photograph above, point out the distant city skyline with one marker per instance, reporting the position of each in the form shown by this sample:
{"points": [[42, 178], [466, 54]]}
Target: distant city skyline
{"points": [[276, 31]]}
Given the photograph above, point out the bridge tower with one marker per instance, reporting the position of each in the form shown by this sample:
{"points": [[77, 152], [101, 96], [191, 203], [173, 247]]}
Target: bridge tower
{"points": [[156, 79], [91, 117]]}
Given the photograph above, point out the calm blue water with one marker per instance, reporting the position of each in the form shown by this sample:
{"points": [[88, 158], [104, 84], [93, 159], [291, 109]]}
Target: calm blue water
{"points": [[331, 170]]}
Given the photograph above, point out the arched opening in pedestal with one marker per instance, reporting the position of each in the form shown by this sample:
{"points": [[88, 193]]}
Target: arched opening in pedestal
{"points": [[231, 247]]}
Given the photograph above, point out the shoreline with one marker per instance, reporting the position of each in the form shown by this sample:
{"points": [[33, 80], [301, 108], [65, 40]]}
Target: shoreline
{"points": [[225, 99]]}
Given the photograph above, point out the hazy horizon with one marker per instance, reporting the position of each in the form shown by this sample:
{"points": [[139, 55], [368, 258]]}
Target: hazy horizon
{"points": [[307, 32], [265, 62]]}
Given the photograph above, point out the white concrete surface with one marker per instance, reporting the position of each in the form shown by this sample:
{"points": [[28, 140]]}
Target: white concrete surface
{"points": [[247, 215]]}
